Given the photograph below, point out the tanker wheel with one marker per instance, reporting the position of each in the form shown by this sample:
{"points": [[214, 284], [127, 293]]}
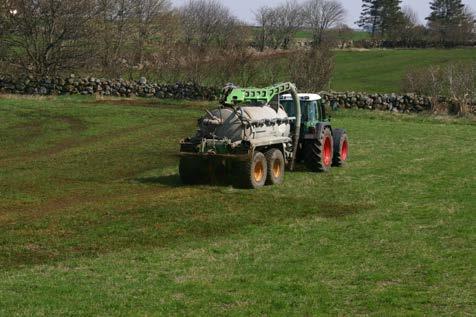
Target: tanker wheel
{"points": [[341, 147], [193, 170], [252, 173], [275, 171], [318, 153]]}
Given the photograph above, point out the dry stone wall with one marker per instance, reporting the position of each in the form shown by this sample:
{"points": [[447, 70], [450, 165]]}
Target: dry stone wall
{"points": [[105, 87], [73, 85], [385, 102]]}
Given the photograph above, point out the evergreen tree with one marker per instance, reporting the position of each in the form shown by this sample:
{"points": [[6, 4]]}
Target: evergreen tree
{"points": [[392, 18], [370, 18], [446, 11], [449, 21], [381, 17]]}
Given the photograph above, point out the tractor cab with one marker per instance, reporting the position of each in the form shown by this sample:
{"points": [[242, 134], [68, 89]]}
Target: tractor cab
{"points": [[312, 109]]}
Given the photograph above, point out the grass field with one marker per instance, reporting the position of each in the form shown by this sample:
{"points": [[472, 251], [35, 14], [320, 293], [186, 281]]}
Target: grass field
{"points": [[355, 35], [94, 220], [384, 70], [375, 70]]}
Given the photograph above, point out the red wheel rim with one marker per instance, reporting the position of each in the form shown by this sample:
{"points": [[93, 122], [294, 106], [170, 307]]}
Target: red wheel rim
{"points": [[327, 151], [344, 150]]}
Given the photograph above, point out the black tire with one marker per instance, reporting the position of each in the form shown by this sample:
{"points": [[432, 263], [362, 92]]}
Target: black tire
{"points": [[318, 153], [251, 173], [193, 170], [341, 147], [275, 170]]}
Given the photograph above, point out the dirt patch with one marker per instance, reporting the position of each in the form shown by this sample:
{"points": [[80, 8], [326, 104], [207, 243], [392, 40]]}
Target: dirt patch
{"points": [[76, 125], [151, 103], [26, 97], [126, 102], [28, 130], [34, 128], [79, 201]]}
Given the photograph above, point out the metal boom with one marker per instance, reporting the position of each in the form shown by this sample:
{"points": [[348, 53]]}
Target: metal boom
{"points": [[240, 95]]}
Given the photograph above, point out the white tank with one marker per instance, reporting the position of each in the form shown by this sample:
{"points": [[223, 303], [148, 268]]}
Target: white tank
{"points": [[245, 123]]}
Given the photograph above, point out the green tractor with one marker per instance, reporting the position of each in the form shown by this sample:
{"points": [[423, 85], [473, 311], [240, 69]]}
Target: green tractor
{"points": [[320, 146], [252, 139]]}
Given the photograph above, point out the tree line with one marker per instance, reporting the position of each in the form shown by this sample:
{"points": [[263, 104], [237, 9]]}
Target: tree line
{"points": [[449, 23], [201, 42], [141, 37]]}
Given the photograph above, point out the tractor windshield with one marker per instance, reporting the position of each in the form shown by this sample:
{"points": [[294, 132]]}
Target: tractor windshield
{"points": [[309, 109]]}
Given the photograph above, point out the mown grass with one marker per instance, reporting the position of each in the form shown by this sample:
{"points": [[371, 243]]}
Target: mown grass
{"points": [[94, 220], [384, 70]]}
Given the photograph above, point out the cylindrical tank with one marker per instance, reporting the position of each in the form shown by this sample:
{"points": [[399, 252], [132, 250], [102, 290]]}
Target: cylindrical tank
{"points": [[245, 123]]}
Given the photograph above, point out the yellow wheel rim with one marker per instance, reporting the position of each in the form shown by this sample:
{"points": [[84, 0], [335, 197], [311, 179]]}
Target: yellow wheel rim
{"points": [[258, 172], [276, 169]]}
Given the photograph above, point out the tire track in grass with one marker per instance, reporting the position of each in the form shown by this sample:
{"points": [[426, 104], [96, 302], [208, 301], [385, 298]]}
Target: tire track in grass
{"points": [[66, 144]]}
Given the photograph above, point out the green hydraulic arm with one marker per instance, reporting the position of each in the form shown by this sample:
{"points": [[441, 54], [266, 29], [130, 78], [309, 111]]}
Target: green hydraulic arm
{"points": [[240, 95], [236, 95]]}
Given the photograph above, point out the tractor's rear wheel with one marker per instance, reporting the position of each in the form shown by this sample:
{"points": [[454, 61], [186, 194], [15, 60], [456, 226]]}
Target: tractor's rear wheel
{"points": [[251, 173], [341, 147], [193, 170], [275, 162], [318, 153]]}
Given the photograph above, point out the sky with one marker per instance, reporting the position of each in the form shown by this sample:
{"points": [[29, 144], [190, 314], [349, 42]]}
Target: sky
{"points": [[244, 9]]}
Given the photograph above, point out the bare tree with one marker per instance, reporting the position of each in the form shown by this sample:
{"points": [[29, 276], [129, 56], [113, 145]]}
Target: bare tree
{"points": [[46, 36], [278, 25], [208, 22], [286, 20], [312, 69], [263, 18], [455, 81], [410, 15], [113, 25], [409, 30], [145, 13], [321, 15]]}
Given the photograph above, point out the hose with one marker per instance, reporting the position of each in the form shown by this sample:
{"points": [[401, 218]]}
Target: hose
{"points": [[297, 129]]}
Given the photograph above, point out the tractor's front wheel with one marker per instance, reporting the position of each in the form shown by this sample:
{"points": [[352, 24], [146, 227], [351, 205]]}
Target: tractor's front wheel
{"points": [[252, 173], [318, 153]]}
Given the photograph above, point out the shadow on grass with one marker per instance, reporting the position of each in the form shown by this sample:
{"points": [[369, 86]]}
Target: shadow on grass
{"points": [[166, 180], [174, 180]]}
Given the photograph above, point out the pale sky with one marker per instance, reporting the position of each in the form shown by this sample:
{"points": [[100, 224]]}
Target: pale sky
{"points": [[244, 9]]}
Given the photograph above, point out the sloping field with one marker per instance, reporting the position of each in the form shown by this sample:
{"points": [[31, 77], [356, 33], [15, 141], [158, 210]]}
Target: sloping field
{"points": [[94, 220], [384, 70]]}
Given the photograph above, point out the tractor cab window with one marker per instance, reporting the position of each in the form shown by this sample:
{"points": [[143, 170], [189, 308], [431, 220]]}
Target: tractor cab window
{"points": [[288, 106], [310, 110]]}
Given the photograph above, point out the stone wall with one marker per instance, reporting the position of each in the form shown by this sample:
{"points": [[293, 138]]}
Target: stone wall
{"points": [[116, 87], [385, 102], [142, 88]]}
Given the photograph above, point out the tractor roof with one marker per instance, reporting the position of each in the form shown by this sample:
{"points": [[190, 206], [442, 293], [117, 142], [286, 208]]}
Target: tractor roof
{"points": [[303, 97]]}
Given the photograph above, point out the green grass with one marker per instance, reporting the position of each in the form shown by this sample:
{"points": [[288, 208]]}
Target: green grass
{"points": [[363, 71], [354, 35], [384, 70], [94, 221]]}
